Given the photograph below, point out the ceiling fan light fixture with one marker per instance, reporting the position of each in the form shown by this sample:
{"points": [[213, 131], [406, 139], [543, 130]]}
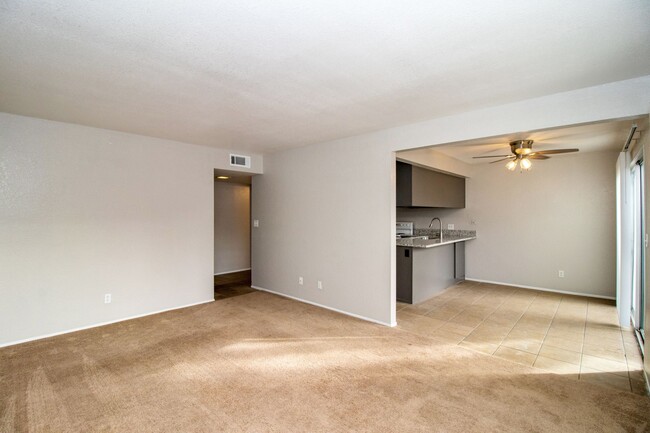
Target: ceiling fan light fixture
{"points": [[511, 165], [521, 147], [522, 153]]}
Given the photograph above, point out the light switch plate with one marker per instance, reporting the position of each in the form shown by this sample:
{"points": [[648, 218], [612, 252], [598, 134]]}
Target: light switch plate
{"points": [[450, 226], [256, 223]]}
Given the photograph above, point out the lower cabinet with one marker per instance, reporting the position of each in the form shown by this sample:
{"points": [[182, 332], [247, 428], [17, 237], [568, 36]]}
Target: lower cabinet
{"points": [[404, 282], [424, 272]]}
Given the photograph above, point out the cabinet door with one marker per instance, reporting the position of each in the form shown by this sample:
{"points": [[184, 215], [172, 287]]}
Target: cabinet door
{"points": [[404, 280], [403, 183], [433, 189]]}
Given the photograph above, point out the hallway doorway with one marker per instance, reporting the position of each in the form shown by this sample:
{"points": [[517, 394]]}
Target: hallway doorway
{"points": [[232, 233]]}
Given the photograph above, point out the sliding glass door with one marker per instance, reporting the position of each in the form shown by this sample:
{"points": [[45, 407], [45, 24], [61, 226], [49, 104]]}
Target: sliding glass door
{"points": [[640, 245]]}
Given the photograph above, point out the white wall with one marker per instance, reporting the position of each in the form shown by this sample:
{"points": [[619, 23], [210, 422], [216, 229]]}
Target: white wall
{"points": [[232, 227], [327, 210], [324, 217], [559, 216], [86, 211]]}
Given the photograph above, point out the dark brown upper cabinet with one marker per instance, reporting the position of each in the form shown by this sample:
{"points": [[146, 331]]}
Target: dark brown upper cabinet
{"points": [[419, 187]]}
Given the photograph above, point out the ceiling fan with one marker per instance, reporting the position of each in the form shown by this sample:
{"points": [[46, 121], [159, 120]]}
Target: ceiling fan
{"points": [[522, 153]]}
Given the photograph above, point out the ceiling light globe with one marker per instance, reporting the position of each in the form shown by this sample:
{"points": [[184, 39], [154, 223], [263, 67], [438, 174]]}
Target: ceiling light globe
{"points": [[525, 164], [511, 165]]}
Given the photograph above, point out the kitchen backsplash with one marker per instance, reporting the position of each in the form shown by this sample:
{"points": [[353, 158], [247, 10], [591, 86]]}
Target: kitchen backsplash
{"points": [[461, 218]]}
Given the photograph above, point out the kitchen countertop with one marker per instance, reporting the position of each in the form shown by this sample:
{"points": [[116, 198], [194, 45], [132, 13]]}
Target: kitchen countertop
{"points": [[430, 243]]}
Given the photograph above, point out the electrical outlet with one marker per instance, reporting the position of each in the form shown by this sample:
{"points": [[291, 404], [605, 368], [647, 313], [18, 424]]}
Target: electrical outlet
{"points": [[107, 298], [256, 223], [320, 285], [300, 281], [560, 274], [450, 226]]}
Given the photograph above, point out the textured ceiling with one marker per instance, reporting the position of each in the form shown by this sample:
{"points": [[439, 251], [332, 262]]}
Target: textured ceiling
{"points": [[266, 75]]}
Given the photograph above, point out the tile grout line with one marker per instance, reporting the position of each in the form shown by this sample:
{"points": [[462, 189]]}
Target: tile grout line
{"points": [[443, 304], [511, 293], [547, 331], [512, 327], [627, 363], [457, 314], [583, 335], [584, 338], [518, 319], [629, 381]]}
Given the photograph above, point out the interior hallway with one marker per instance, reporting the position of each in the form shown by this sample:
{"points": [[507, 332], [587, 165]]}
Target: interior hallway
{"points": [[232, 284], [577, 337], [260, 362]]}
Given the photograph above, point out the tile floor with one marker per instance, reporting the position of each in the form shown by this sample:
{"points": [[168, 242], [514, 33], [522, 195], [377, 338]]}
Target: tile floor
{"points": [[569, 335]]}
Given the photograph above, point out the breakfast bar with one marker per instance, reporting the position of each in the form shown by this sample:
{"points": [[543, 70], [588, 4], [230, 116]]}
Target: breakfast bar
{"points": [[426, 267]]}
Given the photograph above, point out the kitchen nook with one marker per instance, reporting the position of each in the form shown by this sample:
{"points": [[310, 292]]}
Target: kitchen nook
{"points": [[430, 258]]}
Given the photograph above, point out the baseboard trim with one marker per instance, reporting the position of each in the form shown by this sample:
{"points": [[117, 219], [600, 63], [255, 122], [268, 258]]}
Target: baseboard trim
{"points": [[96, 325], [232, 272], [543, 289], [347, 313]]}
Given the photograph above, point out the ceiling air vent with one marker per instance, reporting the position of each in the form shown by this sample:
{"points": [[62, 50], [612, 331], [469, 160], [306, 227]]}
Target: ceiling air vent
{"points": [[240, 160]]}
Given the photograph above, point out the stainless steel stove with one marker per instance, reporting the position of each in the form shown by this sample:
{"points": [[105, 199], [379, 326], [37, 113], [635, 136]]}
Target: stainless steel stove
{"points": [[404, 229]]}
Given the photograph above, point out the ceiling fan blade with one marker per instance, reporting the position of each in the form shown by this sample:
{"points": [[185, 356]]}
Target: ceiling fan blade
{"points": [[537, 156], [553, 151], [504, 159], [493, 156]]}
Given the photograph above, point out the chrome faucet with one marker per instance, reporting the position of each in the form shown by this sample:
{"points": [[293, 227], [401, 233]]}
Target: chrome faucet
{"points": [[431, 223]]}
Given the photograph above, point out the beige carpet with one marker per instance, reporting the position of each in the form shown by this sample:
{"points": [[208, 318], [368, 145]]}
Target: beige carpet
{"points": [[261, 363]]}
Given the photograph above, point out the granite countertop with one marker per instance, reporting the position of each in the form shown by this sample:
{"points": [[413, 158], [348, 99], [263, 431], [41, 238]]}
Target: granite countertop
{"points": [[448, 237], [430, 243]]}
